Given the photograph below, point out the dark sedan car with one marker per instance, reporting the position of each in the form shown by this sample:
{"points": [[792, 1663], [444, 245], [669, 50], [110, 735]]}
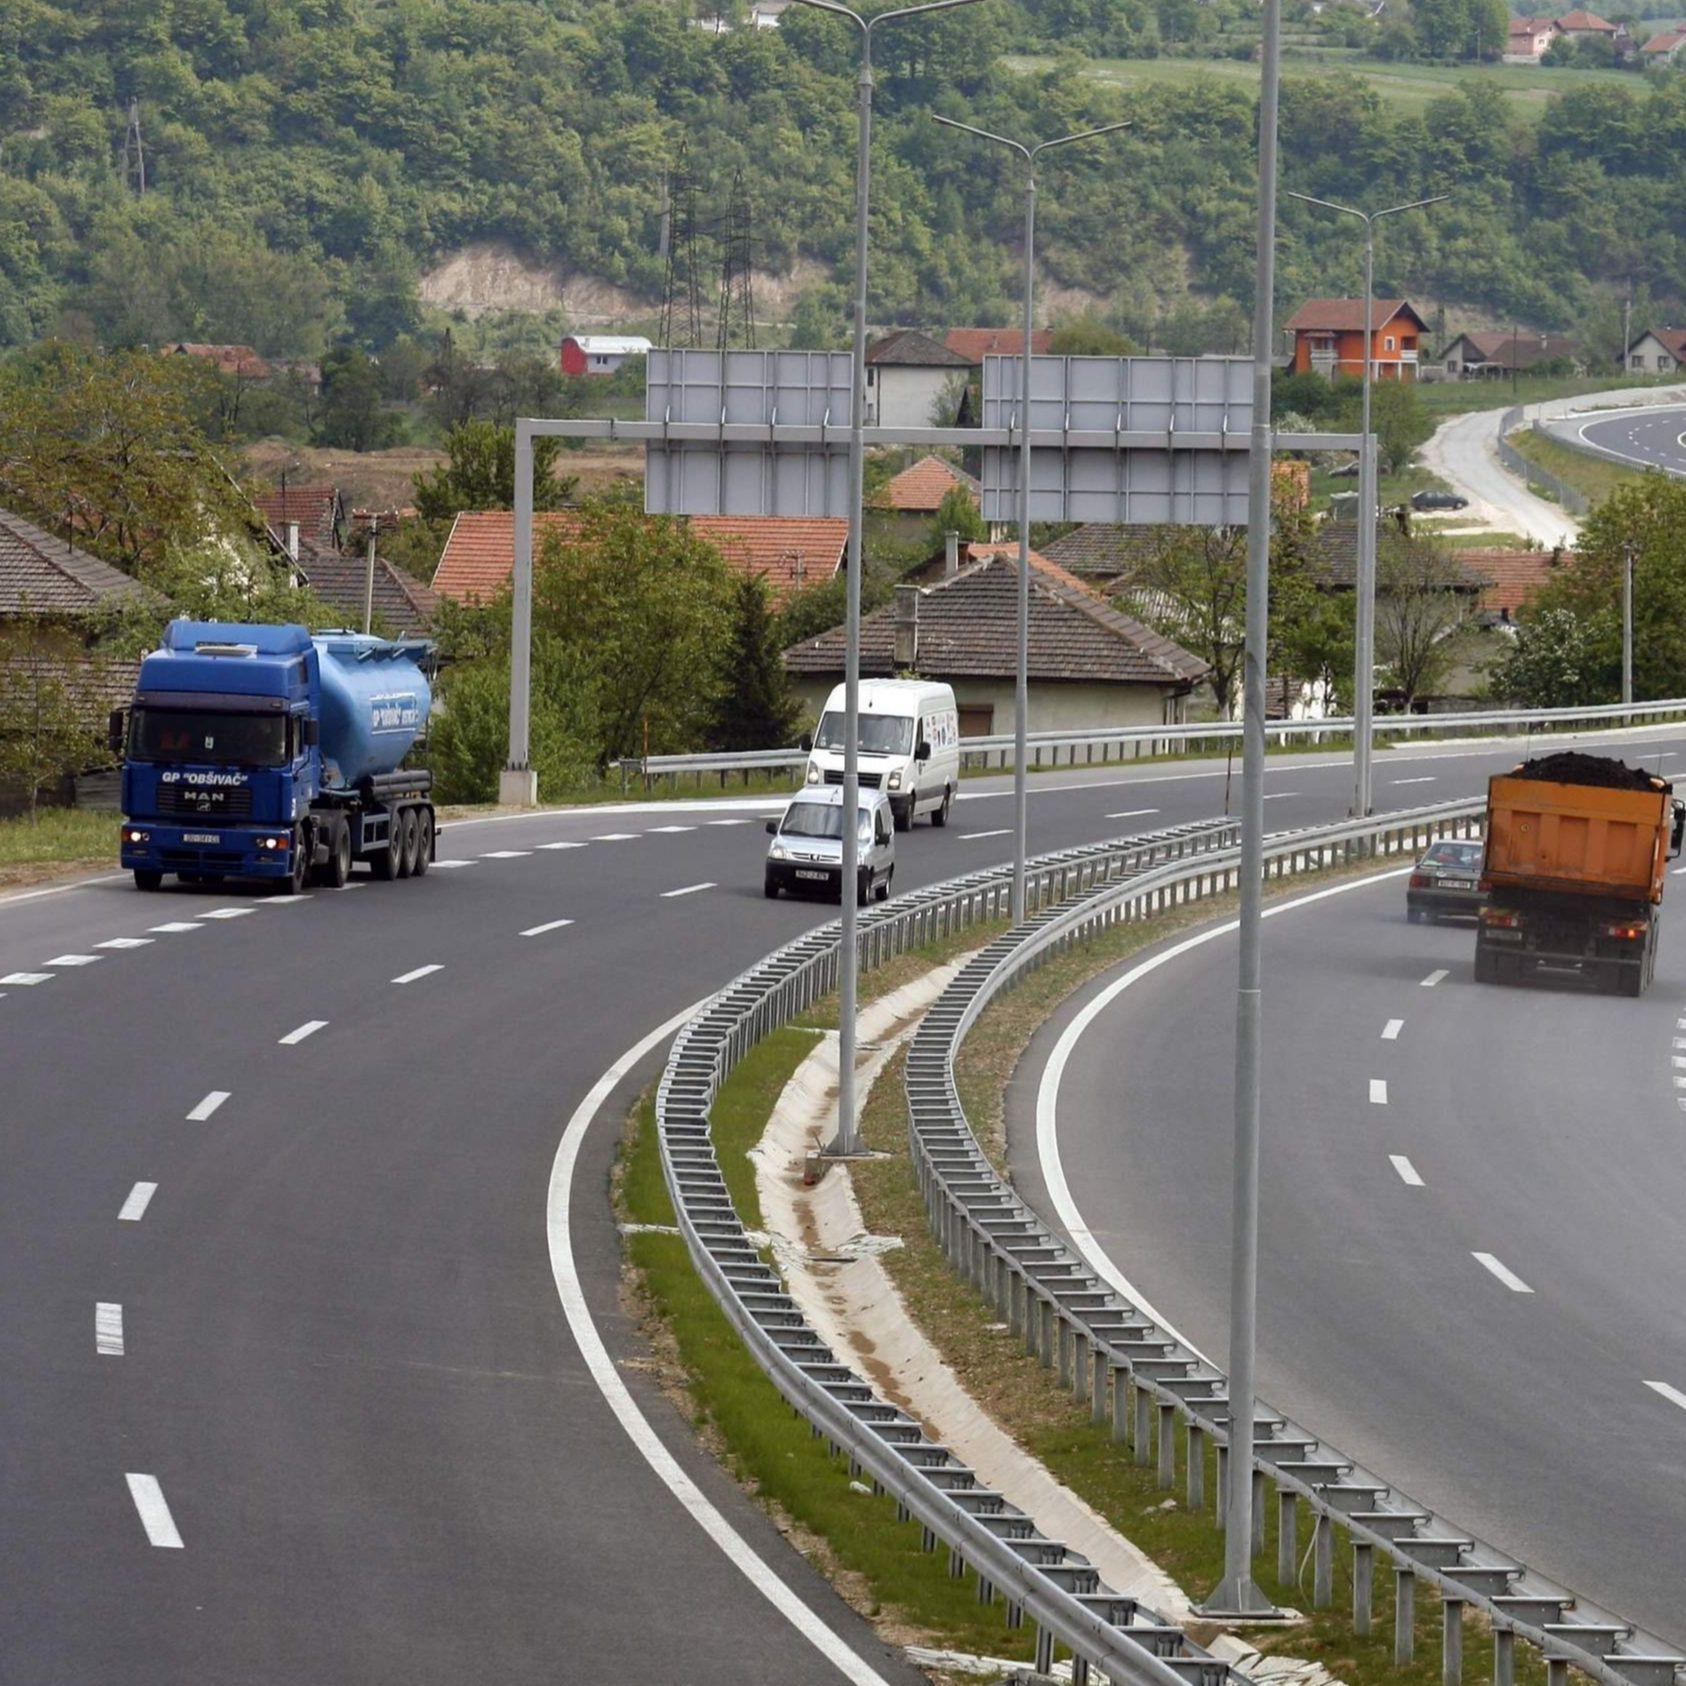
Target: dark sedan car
{"points": [[1445, 882], [1438, 500]]}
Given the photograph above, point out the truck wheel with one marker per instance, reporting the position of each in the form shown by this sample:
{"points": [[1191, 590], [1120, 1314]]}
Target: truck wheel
{"points": [[409, 841], [147, 878], [384, 863], [299, 865], [338, 870], [1630, 980], [939, 816], [424, 843], [1486, 966]]}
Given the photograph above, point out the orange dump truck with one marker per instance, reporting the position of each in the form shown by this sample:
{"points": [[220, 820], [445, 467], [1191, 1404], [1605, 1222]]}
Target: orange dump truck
{"points": [[1576, 854]]}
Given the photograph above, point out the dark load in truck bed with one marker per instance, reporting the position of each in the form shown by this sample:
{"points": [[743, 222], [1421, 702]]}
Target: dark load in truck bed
{"points": [[1599, 772]]}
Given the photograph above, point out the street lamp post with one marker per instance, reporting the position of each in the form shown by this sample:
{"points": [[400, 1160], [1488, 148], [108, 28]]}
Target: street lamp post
{"points": [[1628, 554], [1364, 663], [1021, 686], [847, 1139]]}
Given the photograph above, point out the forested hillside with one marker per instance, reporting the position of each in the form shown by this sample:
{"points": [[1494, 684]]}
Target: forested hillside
{"points": [[307, 160]]}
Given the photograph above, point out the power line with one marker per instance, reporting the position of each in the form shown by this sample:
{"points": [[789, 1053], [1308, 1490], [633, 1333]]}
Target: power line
{"points": [[737, 290]]}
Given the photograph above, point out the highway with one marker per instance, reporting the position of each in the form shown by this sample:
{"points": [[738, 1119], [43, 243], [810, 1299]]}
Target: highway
{"points": [[292, 1394], [1646, 438], [1470, 1276]]}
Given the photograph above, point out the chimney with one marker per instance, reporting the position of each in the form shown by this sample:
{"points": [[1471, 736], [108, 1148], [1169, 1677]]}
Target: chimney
{"points": [[951, 554], [293, 540], [907, 627]]}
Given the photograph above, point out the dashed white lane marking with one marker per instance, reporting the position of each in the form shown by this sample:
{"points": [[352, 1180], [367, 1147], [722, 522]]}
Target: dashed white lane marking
{"points": [[539, 930], [1438, 976], [73, 960], [505, 854], [1676, 871], [1378, 1091], [973, 836], [1132, 814], [174, 925], [1507, 1276], [419, 972], [1277, 795], [108, 1329], [616, 836], [224, 913], [446, 866], [1427, 778], [1407, 1171], [656, 828], [1391, 1030], [689, 889], [283, 901], [207, 1106], [155, 1515], [725, 822], [24, 979], [562, 845], [140, 1197], [1672, 1394], [346, 889], [308, 1028], [610, 1383], [125, 942]]}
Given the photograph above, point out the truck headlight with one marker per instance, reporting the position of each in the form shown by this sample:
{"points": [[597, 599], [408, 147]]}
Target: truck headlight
{"points": [[813, 773], [894, 782], [133, 834]]}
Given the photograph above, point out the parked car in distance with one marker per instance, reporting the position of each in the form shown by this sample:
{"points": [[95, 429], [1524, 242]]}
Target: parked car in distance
{"points": [[909, 746], [1438, 500], [1445, 882], [807, 848]]}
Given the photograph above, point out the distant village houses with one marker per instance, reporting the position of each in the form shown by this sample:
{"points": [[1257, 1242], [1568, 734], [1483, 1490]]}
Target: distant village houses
{"points": [[601, 354], [1328, 336]]}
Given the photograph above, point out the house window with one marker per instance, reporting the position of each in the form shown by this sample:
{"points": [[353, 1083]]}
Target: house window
{"points": [[1387, 344], [977, 720], [871, 377]]}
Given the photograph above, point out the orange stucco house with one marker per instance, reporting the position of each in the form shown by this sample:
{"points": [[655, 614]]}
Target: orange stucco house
{"points": [[1329, 338]]}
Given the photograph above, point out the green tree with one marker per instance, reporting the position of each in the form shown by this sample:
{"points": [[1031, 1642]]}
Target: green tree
{"points": [[479, 473], [1559, 660], [1424, 614], [1086, 335], [1400, 419], [756, 708], [107, 450], [958, 513], [353, 416], [50, 717], [468, 738], [1192, 587]]}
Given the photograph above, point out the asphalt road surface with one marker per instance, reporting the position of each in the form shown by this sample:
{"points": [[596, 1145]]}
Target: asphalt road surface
{"points": [[1470, 1271], [289, 1393], [1646, 438]]}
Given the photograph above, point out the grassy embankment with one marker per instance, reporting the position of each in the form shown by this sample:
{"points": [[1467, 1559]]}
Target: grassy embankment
{"points": [[57, 843], [850, 1532], [1594, 477]]}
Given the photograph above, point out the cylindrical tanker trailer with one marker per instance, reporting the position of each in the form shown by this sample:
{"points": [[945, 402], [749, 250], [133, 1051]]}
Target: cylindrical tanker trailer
{"points": [[272, 752]]}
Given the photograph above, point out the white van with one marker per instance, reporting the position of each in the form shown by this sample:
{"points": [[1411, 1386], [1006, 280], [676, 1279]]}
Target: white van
{"points": [[909, 746]]}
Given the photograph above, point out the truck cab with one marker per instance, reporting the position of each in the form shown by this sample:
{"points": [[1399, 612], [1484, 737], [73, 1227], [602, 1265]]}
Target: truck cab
{"points": [[236, 750]]}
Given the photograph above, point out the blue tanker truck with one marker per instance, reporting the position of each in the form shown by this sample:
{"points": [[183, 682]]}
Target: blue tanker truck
{"points": [[271, 752]]}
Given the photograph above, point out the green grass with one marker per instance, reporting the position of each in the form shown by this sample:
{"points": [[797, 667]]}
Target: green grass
{"points": [[1594, 477], [55, 839], [1408, 87]]}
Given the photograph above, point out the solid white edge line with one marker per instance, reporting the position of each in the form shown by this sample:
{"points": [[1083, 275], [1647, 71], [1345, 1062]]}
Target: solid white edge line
{"points": [[108, 1329], [308, 1028], [207, 1106], [558, 1227], [1378, 1091], [1391, 1030], [140, 1197], [1048, 1090], [419, 972], [689, 889], [1408, 1173], [539, 930], [1672, 1394], [155, 1515], [1504, 1273]]}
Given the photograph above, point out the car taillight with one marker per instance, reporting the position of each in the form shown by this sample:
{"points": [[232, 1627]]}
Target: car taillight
{"points": [[1420, 880], [1500, 917]]}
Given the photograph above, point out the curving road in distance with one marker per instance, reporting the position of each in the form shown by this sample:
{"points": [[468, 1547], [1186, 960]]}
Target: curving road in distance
{"points": [[290, 1391], [1650, 438]]}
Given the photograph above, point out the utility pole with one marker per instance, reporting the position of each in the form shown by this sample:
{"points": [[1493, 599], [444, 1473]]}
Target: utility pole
{"points": [[134, 151], [1629, 551], [847, 1140], [1627, 322], [369, 579], [1021, 683], [1364, 662]]}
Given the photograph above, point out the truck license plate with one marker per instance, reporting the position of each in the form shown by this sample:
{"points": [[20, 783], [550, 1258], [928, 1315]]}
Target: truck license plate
{"points": [[804, 872], [201, 837]]}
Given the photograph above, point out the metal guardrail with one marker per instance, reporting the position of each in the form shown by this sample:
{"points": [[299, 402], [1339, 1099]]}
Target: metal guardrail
{"points": [[1530, 473], [1053, 749], [1038, 1577], [1111, 1352]]}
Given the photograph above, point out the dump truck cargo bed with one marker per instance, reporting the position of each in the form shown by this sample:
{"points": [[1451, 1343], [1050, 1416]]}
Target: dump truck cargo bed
{"points": [[1577, 838]]}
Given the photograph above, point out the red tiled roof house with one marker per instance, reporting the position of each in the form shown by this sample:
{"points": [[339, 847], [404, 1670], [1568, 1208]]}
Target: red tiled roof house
{"points": [[1329, 338]]}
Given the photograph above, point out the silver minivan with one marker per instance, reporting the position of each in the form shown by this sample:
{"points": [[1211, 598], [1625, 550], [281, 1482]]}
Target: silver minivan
{"points": [[807, 848]]}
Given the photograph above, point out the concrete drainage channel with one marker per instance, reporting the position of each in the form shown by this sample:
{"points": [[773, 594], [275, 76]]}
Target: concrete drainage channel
{"points": [[1135, 1373], [1037, 1578]]}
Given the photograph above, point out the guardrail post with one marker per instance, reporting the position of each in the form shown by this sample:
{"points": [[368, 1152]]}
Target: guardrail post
{"points": [[1050, 1316], [986, 1591], [1287, 1535], [1323, 1563], [1504, 1657], [1079, 1364], [927, 1539], [956, 1564], [1044, 1650], [1015, 1305], [1196, 1467], [1065, 1333], [1557, 1671], [1167, 1446], [1144, 1425], [1404, 1614], [1222, 1486], [1120, 1406], [1452, 1640], [1098, 1364], [1015, 1614], [1363, 1573], [1261, 1497]]}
